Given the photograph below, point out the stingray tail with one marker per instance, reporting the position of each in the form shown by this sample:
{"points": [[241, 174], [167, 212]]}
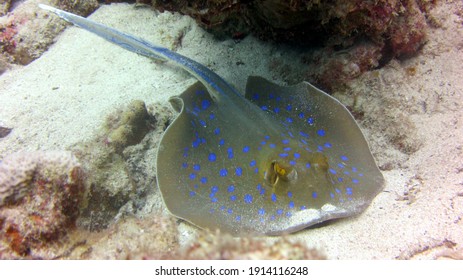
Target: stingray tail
{"points": [[137, 45], [124, 40]]}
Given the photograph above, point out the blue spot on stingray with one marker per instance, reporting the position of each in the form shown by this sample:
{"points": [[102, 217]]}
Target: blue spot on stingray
{"points": [[303, 207], [211, 116], [196, 143], [261, 211], [292, 162], [221, 142], [278, 98], [276, 110], [307, 165], [290, 194], [290, 134], [214, 199], [303, 134], [205, 104], [192, 176], [297, 155], [264, 108], [245, 149], [321, 132], [214, 189], [328, 145], [192, 193], [288, 214], [344, 158], [340, 165], [233, 197], [217, 131], [332, 171], [271, 96], [231, 188], [252, 163], [360, 174], [355, 181], [230, 152], [354, 169], [289, 107], [223, 172], [256, 170], [274, 197], [230, 211], [255, 96], [291, 204], [314, 195], [238, 218], [346, 172], [195, 186], [349, 191], [196, 167], [202, 123], [286, 149], [204, 180], [340, 179], [283, 155], [248, 198], [239, 171], [331, 195], [337, 190], [280, 211], [285, 141], [184, 165], [310, 120], [303, 141], [289, 120], [212, 157], [301, 115], [272, 145]]}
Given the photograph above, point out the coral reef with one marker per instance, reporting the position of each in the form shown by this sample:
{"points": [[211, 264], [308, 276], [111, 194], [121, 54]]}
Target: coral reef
{"points": [[26, 32], [40, 193], [4, 7], [154, 237], [354, 36]]}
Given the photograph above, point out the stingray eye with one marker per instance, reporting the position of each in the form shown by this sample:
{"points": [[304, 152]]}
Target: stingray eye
{"points": [[320, 161], [279, 171]]}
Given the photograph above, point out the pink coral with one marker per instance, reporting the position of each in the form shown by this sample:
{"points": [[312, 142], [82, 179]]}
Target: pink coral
{"points": [[40, 194]]}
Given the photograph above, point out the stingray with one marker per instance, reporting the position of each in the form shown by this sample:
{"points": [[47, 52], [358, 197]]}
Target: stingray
{"points": [[274, 161]]}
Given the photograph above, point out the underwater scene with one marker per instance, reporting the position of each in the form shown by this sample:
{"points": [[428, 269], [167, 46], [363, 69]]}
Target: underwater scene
{"points": [[231, 129]]}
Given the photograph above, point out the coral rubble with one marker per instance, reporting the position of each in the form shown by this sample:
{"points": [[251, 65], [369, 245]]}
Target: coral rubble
{"points": [[219, 247], [26, 31], [40, 193]]}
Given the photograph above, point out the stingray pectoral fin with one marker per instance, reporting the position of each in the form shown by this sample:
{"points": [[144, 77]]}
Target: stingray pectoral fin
{"points": [[184, 153], [333, 161]]}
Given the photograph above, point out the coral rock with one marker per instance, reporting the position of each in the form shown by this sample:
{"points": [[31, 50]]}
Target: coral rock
{"points": [[222, 246], [40, 194]]}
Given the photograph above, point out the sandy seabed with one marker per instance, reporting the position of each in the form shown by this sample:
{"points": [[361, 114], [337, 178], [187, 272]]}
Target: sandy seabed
{"points": [[412, 118]]}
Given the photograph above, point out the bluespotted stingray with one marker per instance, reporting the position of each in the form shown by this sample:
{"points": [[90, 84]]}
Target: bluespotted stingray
{"points": [[274, 161]]}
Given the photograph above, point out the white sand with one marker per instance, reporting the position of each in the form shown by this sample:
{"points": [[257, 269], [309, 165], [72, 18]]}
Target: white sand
{"points": [[63, 97]]}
